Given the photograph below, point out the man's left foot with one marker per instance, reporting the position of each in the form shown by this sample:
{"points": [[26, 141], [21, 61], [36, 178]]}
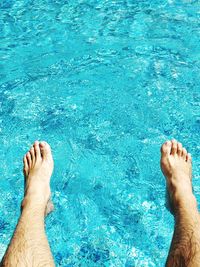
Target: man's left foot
{"points": [[38, 168]]}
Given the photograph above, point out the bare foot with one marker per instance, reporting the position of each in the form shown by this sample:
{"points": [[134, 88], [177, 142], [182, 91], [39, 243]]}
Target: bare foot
{"points": [[176, 165], [38, 168]]}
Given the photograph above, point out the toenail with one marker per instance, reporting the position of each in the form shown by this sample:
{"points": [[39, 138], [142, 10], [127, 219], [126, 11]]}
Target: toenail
{"points": [[43, 143], [168, 143]]}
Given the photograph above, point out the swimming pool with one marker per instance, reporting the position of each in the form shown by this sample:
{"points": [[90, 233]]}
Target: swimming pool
{"points": [[105, 83]]}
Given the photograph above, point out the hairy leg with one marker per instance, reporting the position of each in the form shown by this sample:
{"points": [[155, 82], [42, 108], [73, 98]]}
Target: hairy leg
{"points": [[177, 168], [29, 246]]}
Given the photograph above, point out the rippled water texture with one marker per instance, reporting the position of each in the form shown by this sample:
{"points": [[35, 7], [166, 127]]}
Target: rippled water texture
{"points": [[105, 83]]}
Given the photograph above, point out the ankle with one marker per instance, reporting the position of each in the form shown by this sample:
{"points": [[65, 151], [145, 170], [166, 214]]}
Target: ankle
{"points": [[38, 191], [185, 204], [181, 195], [33, 201]]}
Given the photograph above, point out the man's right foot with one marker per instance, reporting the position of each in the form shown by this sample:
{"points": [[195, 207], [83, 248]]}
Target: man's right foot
{"points": [[176, 165]]}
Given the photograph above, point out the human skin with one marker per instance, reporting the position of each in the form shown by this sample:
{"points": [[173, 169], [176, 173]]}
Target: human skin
{"points": [[29, 246], [176, 165]]}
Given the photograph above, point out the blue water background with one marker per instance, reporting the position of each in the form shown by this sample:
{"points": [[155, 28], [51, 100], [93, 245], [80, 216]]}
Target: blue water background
{"points": [[105, 83]]}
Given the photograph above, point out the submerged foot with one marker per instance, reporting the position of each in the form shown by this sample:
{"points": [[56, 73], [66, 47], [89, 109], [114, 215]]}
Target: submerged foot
{"points": [[176, 165], [38, 168]]}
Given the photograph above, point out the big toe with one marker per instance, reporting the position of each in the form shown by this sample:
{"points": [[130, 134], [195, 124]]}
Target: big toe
{"points": [[45, 150], [166, 148], [26, 168]]}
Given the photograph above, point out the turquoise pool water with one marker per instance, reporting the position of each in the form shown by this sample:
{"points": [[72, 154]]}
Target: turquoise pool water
{"points": [[105, 83]]}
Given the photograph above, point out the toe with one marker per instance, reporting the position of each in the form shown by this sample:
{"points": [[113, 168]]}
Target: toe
{"points": [[189, 157], [45, 150], [25, 166], [166, 148], [179, 149], [32, 152], [174, 147], [28, 157], [37, 150], [184, 154]]}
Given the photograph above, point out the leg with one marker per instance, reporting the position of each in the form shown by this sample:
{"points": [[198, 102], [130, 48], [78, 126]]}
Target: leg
{"points": [[177, 168], [29, 246]]}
